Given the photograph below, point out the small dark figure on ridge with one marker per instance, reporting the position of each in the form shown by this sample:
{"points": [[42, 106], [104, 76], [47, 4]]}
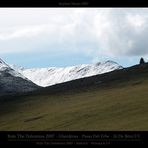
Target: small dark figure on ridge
{"points": [[142, 61]]}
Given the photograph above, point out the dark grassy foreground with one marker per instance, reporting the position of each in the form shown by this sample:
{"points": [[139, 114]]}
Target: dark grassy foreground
{"points": [[112, 101]]}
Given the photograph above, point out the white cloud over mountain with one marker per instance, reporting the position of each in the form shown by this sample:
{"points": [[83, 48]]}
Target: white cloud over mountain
{"points": [[95, 31]]}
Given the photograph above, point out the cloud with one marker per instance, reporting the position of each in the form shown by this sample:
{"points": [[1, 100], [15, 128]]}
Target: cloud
{"points": [[91, 31], [124, 32]]}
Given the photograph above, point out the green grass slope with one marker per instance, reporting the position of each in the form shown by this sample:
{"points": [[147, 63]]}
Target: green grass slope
{"points": [[113, 101]]}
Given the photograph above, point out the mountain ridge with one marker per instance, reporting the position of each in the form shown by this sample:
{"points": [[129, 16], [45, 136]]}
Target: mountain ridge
{"points": [[54, 75]]}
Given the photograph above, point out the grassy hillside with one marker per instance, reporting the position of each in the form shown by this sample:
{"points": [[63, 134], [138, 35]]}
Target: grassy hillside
{"points": [[114, 101]]}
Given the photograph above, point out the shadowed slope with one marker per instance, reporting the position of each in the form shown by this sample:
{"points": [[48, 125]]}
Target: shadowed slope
{"points": [[113, 101]]}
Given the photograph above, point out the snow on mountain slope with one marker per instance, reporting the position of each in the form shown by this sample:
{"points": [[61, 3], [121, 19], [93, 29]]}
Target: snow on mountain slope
{"points": [[5, 67], [12, 82], [53, 75]]}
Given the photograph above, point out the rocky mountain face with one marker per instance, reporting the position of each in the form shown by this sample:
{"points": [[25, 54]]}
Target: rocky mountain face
{"points": [[12, 82]]}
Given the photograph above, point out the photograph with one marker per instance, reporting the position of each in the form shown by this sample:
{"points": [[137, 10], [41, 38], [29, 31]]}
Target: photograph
{"points": [[71, 72]]}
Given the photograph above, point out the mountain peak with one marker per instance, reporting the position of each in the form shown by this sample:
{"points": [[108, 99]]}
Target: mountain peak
{"points": [[1, 61], [108, 63], [3, 65], [111, 62]]}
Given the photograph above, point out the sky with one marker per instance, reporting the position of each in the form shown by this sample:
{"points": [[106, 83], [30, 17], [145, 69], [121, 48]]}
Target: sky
{"points": [[59, 37]]}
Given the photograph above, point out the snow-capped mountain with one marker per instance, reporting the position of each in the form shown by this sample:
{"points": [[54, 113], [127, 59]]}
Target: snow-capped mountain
{"points": [[53, 75], [6, 68], [12, 82]]}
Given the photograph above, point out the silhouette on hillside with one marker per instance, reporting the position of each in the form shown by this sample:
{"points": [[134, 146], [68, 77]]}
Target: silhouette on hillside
{"points": [[142, 61]]}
